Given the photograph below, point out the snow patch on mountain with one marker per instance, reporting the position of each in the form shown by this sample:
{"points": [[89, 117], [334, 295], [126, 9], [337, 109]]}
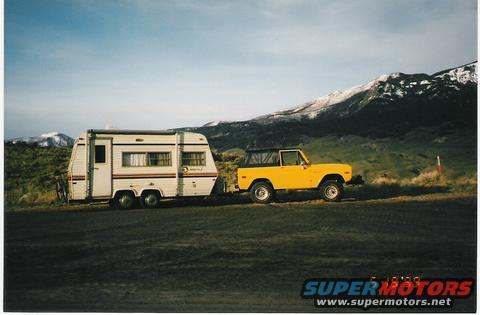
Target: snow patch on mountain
{"points": [[50, 139], [463, 74], [215, 123]]}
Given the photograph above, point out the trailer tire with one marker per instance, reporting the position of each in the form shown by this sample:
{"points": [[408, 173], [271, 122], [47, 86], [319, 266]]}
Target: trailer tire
{"points": [[124, 200], [262, 192], [150, 199], [331, 190]]}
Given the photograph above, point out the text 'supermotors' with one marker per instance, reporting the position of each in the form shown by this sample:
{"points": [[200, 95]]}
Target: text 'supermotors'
{"points": [[120, 165]]}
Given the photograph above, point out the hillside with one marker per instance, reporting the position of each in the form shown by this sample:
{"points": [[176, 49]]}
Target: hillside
{"points": [[386, 90], [51, 139], [30, 171]]}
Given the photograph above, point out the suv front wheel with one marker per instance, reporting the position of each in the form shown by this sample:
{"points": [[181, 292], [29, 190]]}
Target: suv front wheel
{"points": [[262, 192], [331, 190]]}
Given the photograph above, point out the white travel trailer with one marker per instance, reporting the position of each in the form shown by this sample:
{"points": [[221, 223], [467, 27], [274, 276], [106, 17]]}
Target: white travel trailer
{"points": [[122, 165]]}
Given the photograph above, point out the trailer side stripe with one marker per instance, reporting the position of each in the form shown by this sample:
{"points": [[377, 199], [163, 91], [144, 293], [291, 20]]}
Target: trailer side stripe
{"points": [[140, 176], [172, 175], [159, 144], [125, 176], [169, 144], [76, 177]]}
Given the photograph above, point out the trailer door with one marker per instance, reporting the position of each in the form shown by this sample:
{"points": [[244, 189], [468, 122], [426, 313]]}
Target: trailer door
{"points": [[101, 168]]}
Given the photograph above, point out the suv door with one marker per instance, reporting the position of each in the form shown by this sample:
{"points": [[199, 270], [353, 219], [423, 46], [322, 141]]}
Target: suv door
{"points": [[294, 172]]}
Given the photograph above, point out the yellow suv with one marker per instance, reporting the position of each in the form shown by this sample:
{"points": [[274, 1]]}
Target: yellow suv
{"points": [[265, 171]]}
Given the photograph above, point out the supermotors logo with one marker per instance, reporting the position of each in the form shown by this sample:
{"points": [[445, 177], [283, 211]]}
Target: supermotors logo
{"points": [[365, 293]]}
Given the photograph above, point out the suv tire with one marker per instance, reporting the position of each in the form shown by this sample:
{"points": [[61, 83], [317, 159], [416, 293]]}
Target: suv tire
{"points": [[262, 192], [331, 190]]}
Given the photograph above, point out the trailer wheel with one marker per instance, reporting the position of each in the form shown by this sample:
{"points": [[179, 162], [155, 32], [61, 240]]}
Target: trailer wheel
{"points": [[331, 190], [150, 199], [262, 192], [124, 200]]}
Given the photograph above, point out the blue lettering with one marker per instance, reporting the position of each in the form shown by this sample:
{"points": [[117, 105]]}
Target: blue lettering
{"points": [[310, 288], [370, 288], [340, 287], [355, 287], [325, 287]]}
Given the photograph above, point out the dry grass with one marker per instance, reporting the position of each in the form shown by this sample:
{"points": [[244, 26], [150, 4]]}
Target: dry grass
{"points": [[429, 178]]}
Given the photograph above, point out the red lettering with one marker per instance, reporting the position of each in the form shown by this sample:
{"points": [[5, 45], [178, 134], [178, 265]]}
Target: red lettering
{"points": [[450, 288], [435, 288], [405, 288], [420, 286], [465, 288], [387, 288]]}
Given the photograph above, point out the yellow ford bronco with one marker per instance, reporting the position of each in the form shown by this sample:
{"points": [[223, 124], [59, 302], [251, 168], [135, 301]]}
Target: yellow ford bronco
{"points": [[265, 171]]}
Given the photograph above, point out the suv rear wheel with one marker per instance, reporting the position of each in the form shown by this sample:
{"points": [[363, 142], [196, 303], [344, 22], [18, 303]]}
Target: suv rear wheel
{"points": [[331, 190], [262, 192]]}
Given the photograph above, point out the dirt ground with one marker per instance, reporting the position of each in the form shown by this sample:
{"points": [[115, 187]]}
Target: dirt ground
{"points": [[204, 257]]}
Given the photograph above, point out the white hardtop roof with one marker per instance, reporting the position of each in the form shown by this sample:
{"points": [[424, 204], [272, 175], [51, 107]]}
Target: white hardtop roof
{"points": [[133, 132], [121, 133]]}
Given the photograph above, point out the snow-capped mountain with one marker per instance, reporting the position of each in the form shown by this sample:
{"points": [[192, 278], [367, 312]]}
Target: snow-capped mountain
{"points": [[384, 89], [215, 123], [389, 106], [51, 139]]}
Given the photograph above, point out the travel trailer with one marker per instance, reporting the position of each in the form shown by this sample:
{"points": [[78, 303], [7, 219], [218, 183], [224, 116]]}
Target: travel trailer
{"points": [[123, 166]]}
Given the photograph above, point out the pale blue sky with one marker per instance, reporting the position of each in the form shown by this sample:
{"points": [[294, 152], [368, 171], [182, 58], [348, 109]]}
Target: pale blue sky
{"points": [[145, 64]]}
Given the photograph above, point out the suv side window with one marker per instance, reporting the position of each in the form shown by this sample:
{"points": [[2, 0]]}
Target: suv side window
{"points": [[291, 158], [262, 158]]}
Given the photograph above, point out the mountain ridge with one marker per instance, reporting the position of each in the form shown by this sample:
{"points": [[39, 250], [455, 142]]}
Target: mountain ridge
{"points": [[388, 106], [49, 139], [462, 74]]}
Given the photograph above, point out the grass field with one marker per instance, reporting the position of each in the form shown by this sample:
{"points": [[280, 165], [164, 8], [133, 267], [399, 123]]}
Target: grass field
{"points": [[201, 256], [409, 160], [30, 173], [403, 159]]}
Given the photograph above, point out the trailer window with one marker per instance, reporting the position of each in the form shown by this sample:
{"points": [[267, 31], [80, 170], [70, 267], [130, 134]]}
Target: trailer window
{"points": [[134, 159], [146, 159], [159, 159], [99, 154], [194, 159]]}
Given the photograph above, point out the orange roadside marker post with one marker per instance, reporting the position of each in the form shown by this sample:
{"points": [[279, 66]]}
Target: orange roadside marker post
{"points": [[439, 166]]}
